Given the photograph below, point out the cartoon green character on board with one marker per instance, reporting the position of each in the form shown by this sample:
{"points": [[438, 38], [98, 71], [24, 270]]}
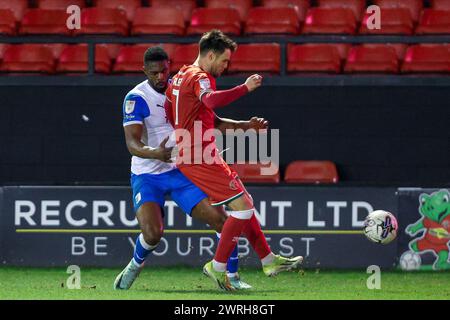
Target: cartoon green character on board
{"points": [[435, 224]]}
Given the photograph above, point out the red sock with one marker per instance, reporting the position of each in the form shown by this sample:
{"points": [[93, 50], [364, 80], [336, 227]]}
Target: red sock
{"points": [[256, 237], [231, 231]]}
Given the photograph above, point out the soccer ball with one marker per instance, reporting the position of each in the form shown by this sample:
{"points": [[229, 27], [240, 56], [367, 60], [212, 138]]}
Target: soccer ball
{"points": [[410, 260], [380, 226]]}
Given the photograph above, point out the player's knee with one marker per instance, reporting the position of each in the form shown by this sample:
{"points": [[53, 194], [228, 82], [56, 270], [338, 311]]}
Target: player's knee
{"points": [[152, 240], [218, 222], [244, 202], [152, 236]]}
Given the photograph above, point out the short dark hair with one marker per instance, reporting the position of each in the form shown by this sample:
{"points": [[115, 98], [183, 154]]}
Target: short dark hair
{"points": [[216, 41], [155, 54]]}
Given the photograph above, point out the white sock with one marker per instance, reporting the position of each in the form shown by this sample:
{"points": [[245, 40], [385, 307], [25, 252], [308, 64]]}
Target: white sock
{"points": [[231, 275], [137, 264], [268, 259], [219, 266]]}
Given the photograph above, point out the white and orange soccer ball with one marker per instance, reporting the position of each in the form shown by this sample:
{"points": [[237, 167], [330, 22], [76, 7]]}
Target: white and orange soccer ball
{"points": [[380, 226]]}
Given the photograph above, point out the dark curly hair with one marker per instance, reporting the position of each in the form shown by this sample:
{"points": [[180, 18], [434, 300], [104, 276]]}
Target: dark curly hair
{"points": [[216, 41], [155, 54]]}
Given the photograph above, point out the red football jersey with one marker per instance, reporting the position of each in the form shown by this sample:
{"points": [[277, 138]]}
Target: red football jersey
{"points": [[185, 93]]}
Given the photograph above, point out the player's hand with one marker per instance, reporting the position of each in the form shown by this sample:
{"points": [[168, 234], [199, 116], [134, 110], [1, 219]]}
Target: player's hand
{"points": [[258, 123], [253, 82], [163, 153]]}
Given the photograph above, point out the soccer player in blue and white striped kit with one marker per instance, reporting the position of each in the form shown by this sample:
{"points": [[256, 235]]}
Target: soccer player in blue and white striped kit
{"points": [[153, 175]]}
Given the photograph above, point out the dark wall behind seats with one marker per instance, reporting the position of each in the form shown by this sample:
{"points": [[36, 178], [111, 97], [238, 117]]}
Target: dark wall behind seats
{"points": [[379, 135]]}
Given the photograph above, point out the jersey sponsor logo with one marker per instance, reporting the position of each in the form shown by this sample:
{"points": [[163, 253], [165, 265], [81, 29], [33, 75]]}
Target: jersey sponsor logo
{"points": [[204, 84], [129, 106]]}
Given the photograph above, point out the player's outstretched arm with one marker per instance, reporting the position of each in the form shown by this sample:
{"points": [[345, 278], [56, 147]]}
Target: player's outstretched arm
{"points": [[220, 98], [133, 134], [255, 123]]}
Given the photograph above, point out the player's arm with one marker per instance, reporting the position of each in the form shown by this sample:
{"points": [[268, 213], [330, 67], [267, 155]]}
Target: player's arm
{"points": [[220, 98], [135, 110], [254, 123], [133, 134]]}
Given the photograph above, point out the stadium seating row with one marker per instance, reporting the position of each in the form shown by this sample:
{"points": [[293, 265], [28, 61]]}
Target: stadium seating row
{"points": [[301, 58], [242, 6], [293, 17], [300, 171]]}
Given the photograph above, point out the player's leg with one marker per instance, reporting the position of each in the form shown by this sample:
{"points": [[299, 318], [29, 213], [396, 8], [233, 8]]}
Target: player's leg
{"points": [[239, 216], [272, 264], [195, 203], [150, 220], [221, 185], [148, 203], [150, 217], [215, 217], [232, 270]]}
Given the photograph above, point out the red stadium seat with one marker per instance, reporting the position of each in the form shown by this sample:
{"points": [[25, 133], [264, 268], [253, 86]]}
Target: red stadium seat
{"points": [[314, 58], [28, 58], [56, 49], [185, 6], [3, 47], [59, 4], [129, 6], [440, 4], [343, 49], [74, 58], [357, 6], [434, 22], [112, 49], [400, 48], [300, 6], [394, 21], [18, 7], [103, 21], [427, 59], [262, 58], [414, 6], [272, 21], [183, 54], [242, 6], [7, 22], [205, 19], [42, 21], [169, 48], [311, 172], [373, 59], [251, 173], [329, 21], [158, 21], [130, 58]]}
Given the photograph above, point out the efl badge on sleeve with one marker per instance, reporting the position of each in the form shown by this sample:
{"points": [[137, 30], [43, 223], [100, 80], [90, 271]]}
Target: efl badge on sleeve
{"points": [[129, 106], [205, 84]]}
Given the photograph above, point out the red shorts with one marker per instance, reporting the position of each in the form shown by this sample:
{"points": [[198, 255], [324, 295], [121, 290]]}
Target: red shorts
{"points": [[425, 244], [217, 180]]}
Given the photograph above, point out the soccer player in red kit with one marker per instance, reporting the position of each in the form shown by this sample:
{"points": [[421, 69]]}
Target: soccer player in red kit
{"points": [[190, 101]]}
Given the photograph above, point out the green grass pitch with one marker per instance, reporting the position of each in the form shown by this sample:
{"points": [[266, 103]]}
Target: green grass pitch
{"points": [[182, 283]]}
